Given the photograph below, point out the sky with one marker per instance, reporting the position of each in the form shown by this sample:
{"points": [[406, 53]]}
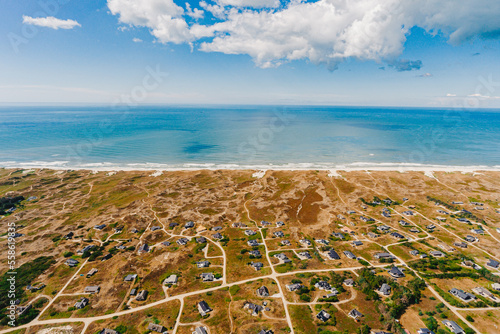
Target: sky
{"points": [[434, 53]]}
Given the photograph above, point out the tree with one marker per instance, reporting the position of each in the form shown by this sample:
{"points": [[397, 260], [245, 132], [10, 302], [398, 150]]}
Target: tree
{"points": [[431, 323]]}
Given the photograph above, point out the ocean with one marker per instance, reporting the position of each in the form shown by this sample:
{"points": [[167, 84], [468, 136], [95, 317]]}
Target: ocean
{"points": [[256, 137]]}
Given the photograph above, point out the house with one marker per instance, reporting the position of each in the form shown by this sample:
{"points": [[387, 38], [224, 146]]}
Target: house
{"points": [[173, 225], [351, 212], [304, 255], [23, 309], [323, 316], [333, 293], [356, 243], [385, 289], [250, 232], [446, 248], [453, 327], [492, 264], [203, 264], [107, 257], [408, 213], [239, 225], [217, 236], [350, 255], [355, 314], [477, 231], [142, 295], [91, 272], [332, 254], [293, 287], [322, 241], [323, 285], [35, 288], [383, 228], [495, 286], [166, 243], [457, 203], [366, 220], [134, 230], [155, 228], [372, 235], [470, 264], [121, 247], [144, 248], [207, 277], [386, 214], [182, 241], [130, 278], [279, 234], [262, 291], [203, 308], [200, 330], [256, 265], [430, 227], [71, 262], [282, 257], [423, 256], [108, 331], [99, 227], [265, 223], [460, 294], [92, 289], [349, 282], [463, 220], [460, 244], [414, 230], [189, 224], [340, 217], [69, 236], [486, 294], [133, 292], [201, 240], [414, 252], [396, 272], [397, 235], [338, 235], [217, 228], [266, 332], [254, 308], [470, 238], [404, 223], [156, 328], [279, 224], [286, 243], [255, 254], [18, 235], [172, 279], [305, 242], [252, 243], [477, 203], [81, 303], [424, 331], [437, 253], [442, 212], [383, 256]]}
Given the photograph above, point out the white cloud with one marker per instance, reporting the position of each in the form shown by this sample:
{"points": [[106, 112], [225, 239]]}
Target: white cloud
{"points": [[250, 3], [136, 40], [50, 22], [325, 31], [451, 95]]}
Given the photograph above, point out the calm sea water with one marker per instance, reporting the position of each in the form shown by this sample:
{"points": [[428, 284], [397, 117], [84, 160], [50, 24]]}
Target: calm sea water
{"points": [[246, 137]]}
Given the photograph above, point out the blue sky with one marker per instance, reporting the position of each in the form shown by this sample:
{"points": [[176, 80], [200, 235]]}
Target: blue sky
{"points": [[238, 58]]}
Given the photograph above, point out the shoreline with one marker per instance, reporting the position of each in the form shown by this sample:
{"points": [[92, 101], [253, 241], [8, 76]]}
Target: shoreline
{"points": [[333, 168]]}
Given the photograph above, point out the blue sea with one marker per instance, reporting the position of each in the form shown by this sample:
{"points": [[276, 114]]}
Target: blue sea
{"points": [[257, 137]]}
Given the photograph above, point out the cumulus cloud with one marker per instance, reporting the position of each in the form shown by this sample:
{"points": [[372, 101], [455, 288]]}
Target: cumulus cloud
{"points": [[425, 75], [324, 31], [50, 22], [250, 3], [136, 40]]}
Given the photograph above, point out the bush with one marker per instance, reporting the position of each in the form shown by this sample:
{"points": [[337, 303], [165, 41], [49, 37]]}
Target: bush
{"points": [[469, 318], [68, 254]]}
